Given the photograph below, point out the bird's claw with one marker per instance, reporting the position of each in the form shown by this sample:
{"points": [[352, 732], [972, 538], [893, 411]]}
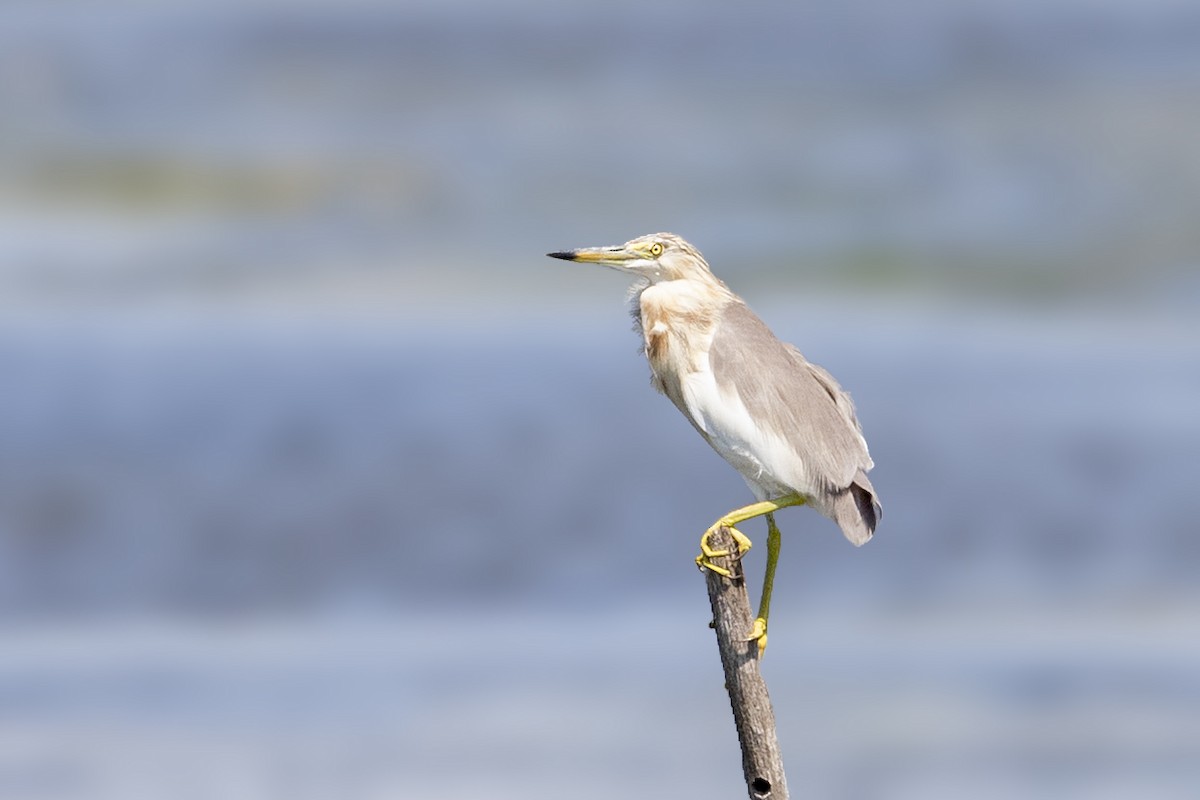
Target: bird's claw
{"points": [[707, 552], [759, 634]]}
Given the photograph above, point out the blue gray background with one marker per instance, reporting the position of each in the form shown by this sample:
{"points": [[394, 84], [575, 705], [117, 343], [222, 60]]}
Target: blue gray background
{"points": [[318, 480]]}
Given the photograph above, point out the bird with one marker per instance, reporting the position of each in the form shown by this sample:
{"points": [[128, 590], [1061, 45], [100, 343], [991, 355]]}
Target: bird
{"points": [[780, 420]]}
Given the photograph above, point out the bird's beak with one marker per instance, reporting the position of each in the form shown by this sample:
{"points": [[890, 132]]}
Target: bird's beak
{"points": [[608, 256]]}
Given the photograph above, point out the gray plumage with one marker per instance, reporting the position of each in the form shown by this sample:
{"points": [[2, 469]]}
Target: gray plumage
{"points": [[801, 403]]}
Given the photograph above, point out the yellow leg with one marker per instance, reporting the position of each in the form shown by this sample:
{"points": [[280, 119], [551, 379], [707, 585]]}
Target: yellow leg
{"points": [[768, 508], [733, 518], [759, 632]]}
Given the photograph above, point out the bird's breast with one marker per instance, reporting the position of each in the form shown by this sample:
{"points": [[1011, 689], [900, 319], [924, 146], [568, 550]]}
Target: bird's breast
{"points": [[731, 430], [658, 343], [678, 330], [677, 322]]}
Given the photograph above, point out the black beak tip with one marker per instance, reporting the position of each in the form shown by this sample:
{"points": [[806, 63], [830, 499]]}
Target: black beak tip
{"points": [[565, 255]]}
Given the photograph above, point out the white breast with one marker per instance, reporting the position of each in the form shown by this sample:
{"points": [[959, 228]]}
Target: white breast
{"points": [[759, 457], [677, 345]]}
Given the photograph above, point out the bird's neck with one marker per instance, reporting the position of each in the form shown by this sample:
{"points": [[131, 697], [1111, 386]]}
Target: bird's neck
{"points": [[676, 320], [684, 297]]}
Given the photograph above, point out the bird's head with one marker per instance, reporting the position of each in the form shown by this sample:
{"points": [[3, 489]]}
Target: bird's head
{"points": [[654, 257]]}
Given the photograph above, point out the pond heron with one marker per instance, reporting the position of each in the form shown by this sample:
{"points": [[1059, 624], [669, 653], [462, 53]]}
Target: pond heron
{"points": [[782, 422]]}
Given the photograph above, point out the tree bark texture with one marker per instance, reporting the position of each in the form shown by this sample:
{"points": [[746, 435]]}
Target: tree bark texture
{"points": [[762, 763]]}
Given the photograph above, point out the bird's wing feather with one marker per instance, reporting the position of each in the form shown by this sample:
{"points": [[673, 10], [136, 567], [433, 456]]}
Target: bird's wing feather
{"points": [[841, 398], [792, 399]]}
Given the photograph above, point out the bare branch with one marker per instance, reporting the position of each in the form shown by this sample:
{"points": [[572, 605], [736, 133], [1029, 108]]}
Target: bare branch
{"points": [[762, 763]]}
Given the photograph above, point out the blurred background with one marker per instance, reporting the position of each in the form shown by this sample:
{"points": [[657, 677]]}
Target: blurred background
{"points": [[318, 480]]}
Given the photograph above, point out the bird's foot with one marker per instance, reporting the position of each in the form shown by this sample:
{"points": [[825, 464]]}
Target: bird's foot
{"points": [[707, 552], [759, 634]]}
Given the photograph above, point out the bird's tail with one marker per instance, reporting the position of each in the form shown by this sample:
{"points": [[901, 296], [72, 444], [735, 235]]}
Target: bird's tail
{"points": [[857, 510]]}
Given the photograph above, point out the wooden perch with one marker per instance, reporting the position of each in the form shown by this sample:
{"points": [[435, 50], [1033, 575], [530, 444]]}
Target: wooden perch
{"points": [[762, 763]]}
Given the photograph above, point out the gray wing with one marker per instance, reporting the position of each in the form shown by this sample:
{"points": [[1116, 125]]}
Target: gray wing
{"points": [[796, 400], [840, 397]]}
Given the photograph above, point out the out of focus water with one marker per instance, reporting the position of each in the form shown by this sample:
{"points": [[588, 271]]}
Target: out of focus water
{"points": [[318, 480], [223, 147], [259, 558]]}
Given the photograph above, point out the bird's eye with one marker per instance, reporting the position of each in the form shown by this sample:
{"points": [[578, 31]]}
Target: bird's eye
{"points": [[656, 249]]}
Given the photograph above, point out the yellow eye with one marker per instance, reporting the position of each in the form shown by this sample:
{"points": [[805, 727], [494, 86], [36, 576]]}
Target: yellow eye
{"points": [[656, 249]]}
